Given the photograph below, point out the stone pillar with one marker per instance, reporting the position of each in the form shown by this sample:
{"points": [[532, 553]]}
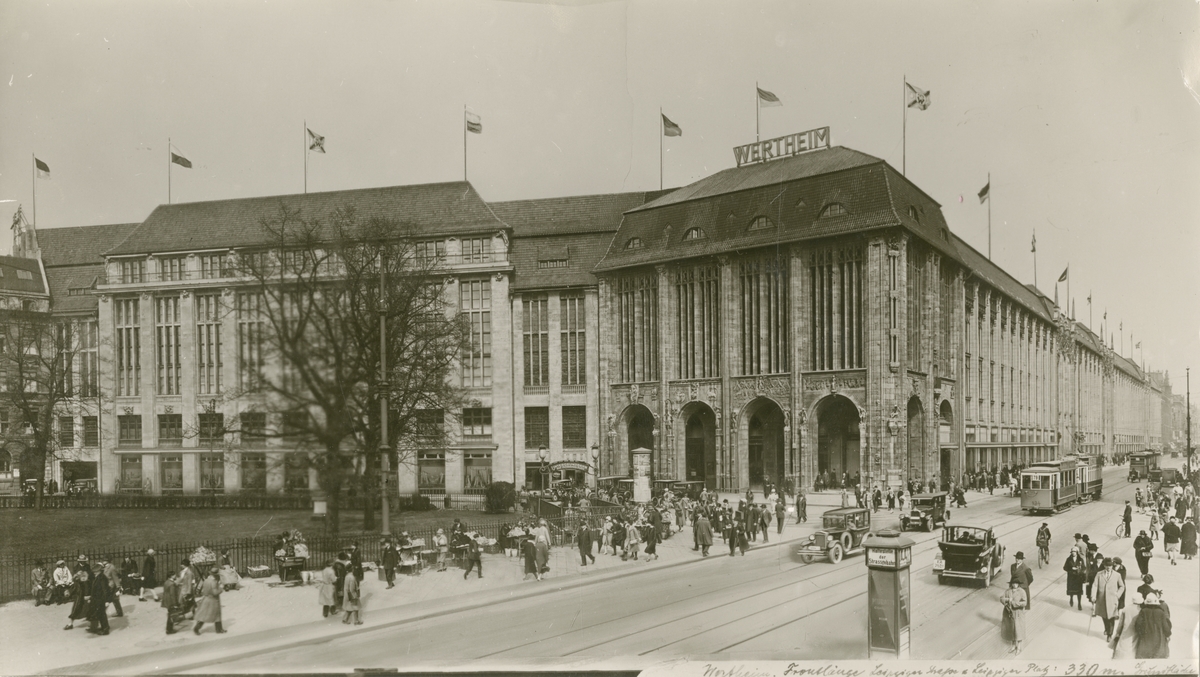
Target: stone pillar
{"points": [[591, 309], [554, 394], [518, 368], [191, 472], [727, 442], [108, 466], [233, 475], [455, 468], [150, 471], [502, 382], [663, 463]]}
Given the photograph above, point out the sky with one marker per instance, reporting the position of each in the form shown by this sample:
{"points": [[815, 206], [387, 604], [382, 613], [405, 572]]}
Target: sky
{"points": [[1086, 115]]}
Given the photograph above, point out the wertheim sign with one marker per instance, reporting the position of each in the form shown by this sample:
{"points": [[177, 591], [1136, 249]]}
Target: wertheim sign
{"points": [[784, 146]]}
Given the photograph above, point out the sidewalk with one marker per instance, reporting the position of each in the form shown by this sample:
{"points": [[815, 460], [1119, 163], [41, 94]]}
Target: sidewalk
{"points": [[255, 614]]}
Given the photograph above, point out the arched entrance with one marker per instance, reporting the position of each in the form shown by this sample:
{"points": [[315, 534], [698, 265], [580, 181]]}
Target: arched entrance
{"points": [[914, 467], [639, 431], [838, 450], [698, 425], [766, 450], [946, 443]]}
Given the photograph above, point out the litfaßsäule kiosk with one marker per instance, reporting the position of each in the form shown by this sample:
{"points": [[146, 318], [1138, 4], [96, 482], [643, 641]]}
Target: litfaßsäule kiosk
{"points": [[889, 556]]}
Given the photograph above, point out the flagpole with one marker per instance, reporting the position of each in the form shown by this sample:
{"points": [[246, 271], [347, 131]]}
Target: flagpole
{"points": [[989, 185], [757, 108], [1034, 252], [33, 181], [1090, 310], [904, 133], [168, 170], [304, 137], [464, 142], [661, 130]]}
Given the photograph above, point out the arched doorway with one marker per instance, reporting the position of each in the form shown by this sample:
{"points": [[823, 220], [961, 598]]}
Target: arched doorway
{"points": [[699, 425], [766, 450], [946, 444], [639, 430], [838, 450], [914, 467]]}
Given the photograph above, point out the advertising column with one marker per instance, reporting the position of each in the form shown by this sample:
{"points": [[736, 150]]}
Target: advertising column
{"points": [[889, 556], [641, 475]]}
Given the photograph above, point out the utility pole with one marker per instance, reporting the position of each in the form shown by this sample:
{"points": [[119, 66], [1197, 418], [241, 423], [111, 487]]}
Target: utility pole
{"points": [[1188, 372], [384, 466]]}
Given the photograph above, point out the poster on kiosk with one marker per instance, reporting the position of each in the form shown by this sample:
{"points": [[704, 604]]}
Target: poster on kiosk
{"points": [[889, 603]]}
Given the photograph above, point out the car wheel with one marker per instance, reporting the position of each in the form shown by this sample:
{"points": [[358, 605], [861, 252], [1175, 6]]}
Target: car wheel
{"points": [[847, 541], [928, 526], [835, 553], [807, 559]]}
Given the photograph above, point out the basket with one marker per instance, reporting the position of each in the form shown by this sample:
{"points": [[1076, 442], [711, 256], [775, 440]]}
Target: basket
{"points": [[258, 571]]}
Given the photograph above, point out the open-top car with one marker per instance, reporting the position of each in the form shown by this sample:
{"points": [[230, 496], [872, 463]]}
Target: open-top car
{"points": [[968, 552], [928, 512], [841, 533]]}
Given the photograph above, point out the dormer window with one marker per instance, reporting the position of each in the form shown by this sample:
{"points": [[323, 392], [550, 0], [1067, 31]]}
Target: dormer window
{"points": [[694, 234], [24, 274], [914, 214], [633, 243], [833, 209], [761, 223]]}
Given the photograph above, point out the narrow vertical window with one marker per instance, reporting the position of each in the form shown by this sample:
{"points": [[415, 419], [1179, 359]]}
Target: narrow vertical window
{"points": [[208, 343], [250, 339], [572, 333], [536, 340], [476, 303], [128, 346]]}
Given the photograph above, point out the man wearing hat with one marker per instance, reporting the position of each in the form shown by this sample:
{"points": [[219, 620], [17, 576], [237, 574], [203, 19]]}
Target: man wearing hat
{"points": [[82, 564], [1106, 595], [1152, 629], [149, 576], [1022, 573], [114, 584], [62, 582], [1142, 545]]}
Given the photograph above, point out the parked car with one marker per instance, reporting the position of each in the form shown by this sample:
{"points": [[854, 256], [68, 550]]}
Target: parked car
{"points": [[841, 533], [928, 512], [968, 552]]}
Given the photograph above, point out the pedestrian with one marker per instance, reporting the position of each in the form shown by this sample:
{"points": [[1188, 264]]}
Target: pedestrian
{"points": [[1076, 569], [391, 559], [1106, 595], [81, 598], [442, 545], [114, 585], [62, 582], [753, 521], [743, 539], [1119, 567], [1154, 523], [846, 499], [40, 579], [351, 601], [1187, 539], [764, 523], [1127, 518], [356, 567], [1021, 572], [208, 608], [633, 537], [703, 531], [1094, 561], [474, 558], [731, 535], [802, 509], [541, 541], [102, 593], [583, 539], [327, 590], [1142, 545], [341, 569], [891, 500], [606, 533], [1172, 535], [780, 513], [876, 499], [1012, 627], [529, 552], [170, 602], [1152, 629], [149, 576], [187, 586]]}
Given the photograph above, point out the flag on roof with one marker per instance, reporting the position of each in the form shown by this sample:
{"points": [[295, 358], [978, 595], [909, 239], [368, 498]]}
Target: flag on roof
{"points": [[180, 160], [983, 192], [1139, 344], [474, 123], [316, 141], [1033, 243], [43, 169], [767, 99], [920, 98], [670, 128], [1063, 277]]}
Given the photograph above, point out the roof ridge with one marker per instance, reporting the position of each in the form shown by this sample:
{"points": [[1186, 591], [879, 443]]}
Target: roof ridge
{"points": [[570, 197], [314, 193]]}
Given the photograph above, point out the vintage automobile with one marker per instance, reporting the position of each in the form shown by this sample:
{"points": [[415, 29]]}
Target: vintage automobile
{"points": [[928, 512], [841, 533], [968, 552]]}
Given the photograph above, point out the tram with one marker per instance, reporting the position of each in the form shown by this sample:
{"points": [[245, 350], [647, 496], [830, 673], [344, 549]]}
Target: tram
{"points": [[1141, 463], [1051, 486]]}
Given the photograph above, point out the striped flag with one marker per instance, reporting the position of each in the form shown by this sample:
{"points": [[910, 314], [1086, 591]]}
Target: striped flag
{"points": [[474, 123], [670, 128], [766, 99], [43, 169]]}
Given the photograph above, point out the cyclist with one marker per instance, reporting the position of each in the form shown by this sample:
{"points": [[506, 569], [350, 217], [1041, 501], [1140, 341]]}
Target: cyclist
{"points": [[1043, 544]]}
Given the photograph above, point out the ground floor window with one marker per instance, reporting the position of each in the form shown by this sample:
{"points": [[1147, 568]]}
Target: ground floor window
{"points": [[431, 472], [477, 472], [172, 473], [212, 473], [131, 473], [295, 472], [254, 471]]}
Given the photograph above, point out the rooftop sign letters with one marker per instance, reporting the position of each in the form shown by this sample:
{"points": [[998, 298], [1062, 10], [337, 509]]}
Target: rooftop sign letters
{"points": [[784, 146]]}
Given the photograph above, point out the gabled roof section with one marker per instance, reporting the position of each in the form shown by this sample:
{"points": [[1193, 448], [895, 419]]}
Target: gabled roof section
{"points": [[577, 214], [81, 245], [1128, 366], [794, 192], [431, 209], [21, 275]]}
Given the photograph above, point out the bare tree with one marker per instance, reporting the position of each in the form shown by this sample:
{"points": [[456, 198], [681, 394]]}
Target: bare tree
{"points": [[39, 382], [324, 287]]}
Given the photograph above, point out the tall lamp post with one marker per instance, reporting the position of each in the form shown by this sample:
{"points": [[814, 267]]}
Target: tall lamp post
{"points": [[543, 455], [1188, 372], [595, 465]]}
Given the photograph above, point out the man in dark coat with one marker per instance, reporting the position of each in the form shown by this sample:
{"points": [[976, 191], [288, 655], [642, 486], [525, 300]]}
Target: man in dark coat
{"points": [[170, 601], [1187, 539], [340, 569], [703, 532], [1172, 535], [391, 559], [1127, 518], [1142, 545], [780, 513], [356, 567], [98, 610], [81, 598], [753, 521], [114, 586], [1076, 568], [1152, 630], [149, 576], [801, 509], [764, 521], [583, 538], [474, 558]]}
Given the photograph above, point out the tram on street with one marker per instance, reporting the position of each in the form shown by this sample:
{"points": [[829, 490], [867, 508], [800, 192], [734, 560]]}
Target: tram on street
{"points": [[1141, 463], [1051, 486]]}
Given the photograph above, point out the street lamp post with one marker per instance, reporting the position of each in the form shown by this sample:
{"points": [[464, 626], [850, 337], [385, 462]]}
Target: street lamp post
{"points": [[595, 465], [543, 454]]}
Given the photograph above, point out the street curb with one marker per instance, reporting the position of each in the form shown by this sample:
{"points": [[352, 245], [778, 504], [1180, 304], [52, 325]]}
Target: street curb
{"points": [[120, 663]]}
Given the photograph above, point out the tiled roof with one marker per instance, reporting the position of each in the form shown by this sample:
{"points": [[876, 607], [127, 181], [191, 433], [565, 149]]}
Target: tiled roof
{"points": [[581, 250], [80, 245], [1128, 366], [793, 193], [563, 215], [430, 209], [983, 268], [11, 281], [65, 278]]}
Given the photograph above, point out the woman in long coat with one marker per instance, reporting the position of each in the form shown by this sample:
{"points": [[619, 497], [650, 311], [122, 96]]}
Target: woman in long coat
{"points": [[81, 598], [1187, 546], [97, 613], [652, 539], [704, 533], [350, 600], [541, 541], [1015, 601], [529, 552], [1152, 630], [149, 576], [326, 589], [1076, 569], [208, 608]]}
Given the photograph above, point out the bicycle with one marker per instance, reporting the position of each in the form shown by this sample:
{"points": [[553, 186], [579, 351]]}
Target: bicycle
{"points": [[1043, 554], [1120, 531]]}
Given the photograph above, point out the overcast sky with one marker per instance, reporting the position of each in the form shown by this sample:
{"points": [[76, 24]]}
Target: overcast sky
{"points": [[1086, 113]]}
